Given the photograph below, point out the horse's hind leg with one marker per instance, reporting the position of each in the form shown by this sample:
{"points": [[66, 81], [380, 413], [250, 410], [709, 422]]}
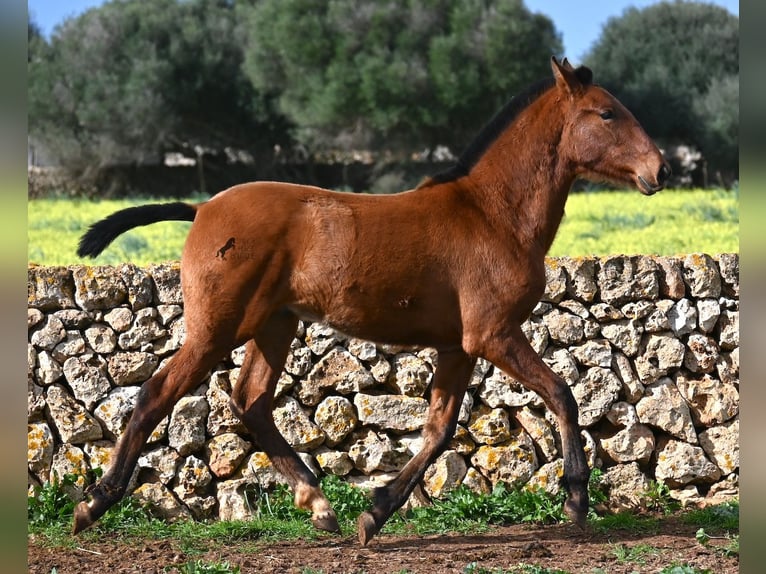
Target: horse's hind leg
{"points": [[183, 372], [252, 400], [514, 355], [450, 382]]}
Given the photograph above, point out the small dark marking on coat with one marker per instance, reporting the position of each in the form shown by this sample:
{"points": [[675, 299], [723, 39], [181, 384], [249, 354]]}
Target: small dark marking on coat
{"points": [[228, 245]]}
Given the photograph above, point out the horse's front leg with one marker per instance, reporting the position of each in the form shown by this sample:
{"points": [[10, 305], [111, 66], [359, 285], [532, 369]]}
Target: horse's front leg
{"points": [[450, 382], [512, 353]]}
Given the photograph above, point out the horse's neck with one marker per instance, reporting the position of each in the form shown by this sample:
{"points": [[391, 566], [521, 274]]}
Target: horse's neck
{"points": [[524, 184]]}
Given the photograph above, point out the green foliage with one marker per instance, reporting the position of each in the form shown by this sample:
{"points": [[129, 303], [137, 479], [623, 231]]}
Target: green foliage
{"points": [[635, 554], [50, 504], [657, 497], [418, 74], [719, 517], [201, 567], [683, 569], [521, 568], [627, 521], [683, 84]]}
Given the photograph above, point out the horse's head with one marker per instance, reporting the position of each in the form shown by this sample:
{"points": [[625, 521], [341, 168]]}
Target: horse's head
{"points": [[602, 138]]}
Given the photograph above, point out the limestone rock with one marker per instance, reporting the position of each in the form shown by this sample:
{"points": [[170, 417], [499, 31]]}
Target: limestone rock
{"points": [[632, 388], [193, 478], [634, 442], [728, 323], [101, 338], [131, 368], [500, 390], [48, 334], [581, 278], [564, 328], [186, 432], [40, 445], [35, 401], [540, 432], [596, 390], [74, 424], [338, 370], [397, 413], [710, 401], [476, 481], [221, 419], [225, 452], [489, 426], [660, 353], [563, 363], [98, 288], [115, 410], [320, 338], [622, 279], [664, 407], [708, 311], [702, 276], [298, 361], [445, 474], [682, 317], [69, 459], [555, 281], [513, 462], [548, 477], [294, 424], [161, 462], [679, 464], [167, 283], [671, 277], [119, 319], [594, 353], [721, 444], [377, 452], [86, 376], [410, 375], [50, 288], [626, 485], [728, 265], [161, 502], [336, 417], [701, 354], [48, 371], [536, 333], [144, 329], [334, 461], [624, 334]]}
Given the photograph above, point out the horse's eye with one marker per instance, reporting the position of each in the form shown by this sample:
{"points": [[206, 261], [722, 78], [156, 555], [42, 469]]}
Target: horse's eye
{"points": [[607, 115]]}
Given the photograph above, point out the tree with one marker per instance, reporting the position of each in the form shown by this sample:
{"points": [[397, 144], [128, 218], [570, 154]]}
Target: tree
{"points": [[127, 81], [401, 74], [676, 66]]}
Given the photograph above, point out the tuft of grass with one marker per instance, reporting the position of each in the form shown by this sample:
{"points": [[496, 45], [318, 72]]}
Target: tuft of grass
{"points": [[683, 569], [719, 517], [634, 554], [200, 567]]}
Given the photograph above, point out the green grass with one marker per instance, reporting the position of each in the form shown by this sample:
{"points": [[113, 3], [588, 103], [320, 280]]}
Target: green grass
{"points": [[671, 222]]}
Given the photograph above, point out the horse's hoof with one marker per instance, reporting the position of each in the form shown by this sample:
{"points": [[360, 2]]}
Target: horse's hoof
{"points": [[83, 518], [576, 513], [366, 528], [327, 522]]}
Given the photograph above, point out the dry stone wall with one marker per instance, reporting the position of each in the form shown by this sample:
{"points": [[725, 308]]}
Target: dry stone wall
{"points": [[649, 346]]}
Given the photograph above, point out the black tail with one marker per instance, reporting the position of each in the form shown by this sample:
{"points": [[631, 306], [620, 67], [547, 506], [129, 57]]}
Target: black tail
{"points": [[103, 232]]}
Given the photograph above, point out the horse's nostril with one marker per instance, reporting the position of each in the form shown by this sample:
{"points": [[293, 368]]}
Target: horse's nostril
{"points": [[664, 173]]}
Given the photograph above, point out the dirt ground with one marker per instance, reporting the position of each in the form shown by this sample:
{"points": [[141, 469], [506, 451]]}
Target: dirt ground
{"points": [[563, 546]]}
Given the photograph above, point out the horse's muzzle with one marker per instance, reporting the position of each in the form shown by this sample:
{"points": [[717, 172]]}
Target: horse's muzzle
{"points": [[662, 178]]}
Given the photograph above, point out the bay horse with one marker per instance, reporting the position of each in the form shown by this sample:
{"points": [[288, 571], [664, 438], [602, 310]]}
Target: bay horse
{"points": [[456, 264]]}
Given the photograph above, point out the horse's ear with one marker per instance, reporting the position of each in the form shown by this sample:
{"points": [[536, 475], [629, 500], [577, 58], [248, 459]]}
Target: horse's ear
{"points": [[566, 78]]}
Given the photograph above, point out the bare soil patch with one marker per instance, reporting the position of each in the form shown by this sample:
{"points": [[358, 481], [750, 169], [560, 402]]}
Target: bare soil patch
{"points": [[562, 546]]}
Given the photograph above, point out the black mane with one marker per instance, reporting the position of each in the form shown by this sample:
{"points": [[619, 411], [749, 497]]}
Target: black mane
{"points": [[498, 124]]}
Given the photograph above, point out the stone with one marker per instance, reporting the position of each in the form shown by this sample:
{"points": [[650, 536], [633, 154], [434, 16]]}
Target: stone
{"points": [[563, 363], [626, 485], [480, 370], [605, 312], [99, 455], [380, 368], [513, 462], [144, 329], [336, 417], [87, 378], [338, 370], [657, 321], [596, 390], [500, 390], [73, 344], [76, 319], [594, 353], [362, 350], [728, 323], [186, 431], [728, 265], [119, 319], [101, 338], [298, 361], [663, 407], [40, 446], [114, 411], [50, 288], [461, 442], [69, 459], [98, 287], [320, 338], [334, 461], [548, 477], [161, 502], [660, 353], [34, 317], [680, 464], [536, 333], [221, 419], [727, 367], [581, 278], [129, 368], [192, 478], [48, 371], [625, 335], [74, 424], [632, 388], [445, 474], [48, 334], [702, 276], [375, 451], [167, 283], [295, 426], [397, 413], [225, 452], [258, 469], [489, 426], [555, 281], [701, 354], [622, 279], [633, 442], [710, 401], [564, 328], [138, 283], [540, 431], [35, 401], [476, 482], [637, 310], [167, 313], [708, 311], [682, 317], [721, 445], [410, 375], [161, 462], [672, 283]]}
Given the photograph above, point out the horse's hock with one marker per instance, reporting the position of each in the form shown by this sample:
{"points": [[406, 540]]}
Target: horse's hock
{"points": [[650, 347]]}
